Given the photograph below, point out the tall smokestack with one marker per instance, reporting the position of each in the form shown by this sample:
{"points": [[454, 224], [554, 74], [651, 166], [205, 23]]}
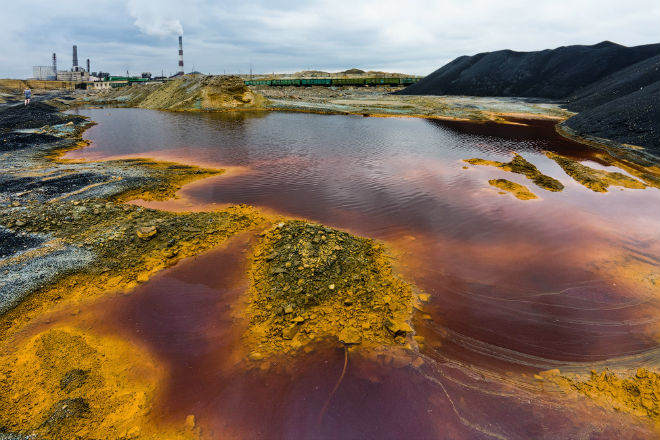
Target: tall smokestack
{"points": [[55, 64], [88, 65], [75, 56], [180, 55]]}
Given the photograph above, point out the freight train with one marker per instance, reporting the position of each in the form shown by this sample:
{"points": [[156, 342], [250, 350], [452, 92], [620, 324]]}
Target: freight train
{"points": [[337, 82]]}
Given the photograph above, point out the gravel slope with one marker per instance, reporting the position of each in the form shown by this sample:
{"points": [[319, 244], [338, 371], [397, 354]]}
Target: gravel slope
{"points": [[631, 119], [551, 73]]}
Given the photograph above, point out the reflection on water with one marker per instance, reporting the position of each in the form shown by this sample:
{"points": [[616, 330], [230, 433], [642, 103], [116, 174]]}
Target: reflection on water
{"points": [[516, 286]]}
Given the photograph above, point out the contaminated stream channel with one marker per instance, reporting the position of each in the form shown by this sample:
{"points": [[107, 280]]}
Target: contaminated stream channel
{"points": [[566, 281]]}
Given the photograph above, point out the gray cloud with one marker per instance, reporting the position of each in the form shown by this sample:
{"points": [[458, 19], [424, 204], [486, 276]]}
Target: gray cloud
{"points": [[415, 36]]}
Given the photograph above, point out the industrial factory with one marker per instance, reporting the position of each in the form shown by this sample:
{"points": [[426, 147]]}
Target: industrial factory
{"points": [[85, 78], [76, 73]]}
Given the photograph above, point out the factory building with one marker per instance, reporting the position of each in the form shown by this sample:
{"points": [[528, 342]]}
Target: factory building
{"points": [[76, 73], [44, 73], [47, 73]]}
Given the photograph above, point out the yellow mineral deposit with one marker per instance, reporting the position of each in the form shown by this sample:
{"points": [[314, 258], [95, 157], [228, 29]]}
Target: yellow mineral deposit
{"points": [[519, 165], [66, 383], [595, 180], [519, 191], [311, 282], [638, 394]]}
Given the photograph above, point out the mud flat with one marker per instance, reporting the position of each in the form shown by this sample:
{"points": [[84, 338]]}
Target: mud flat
{"points": [[379, 101]]}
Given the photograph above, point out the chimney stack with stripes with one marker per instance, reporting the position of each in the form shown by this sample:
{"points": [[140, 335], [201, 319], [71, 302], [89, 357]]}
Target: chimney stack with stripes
{"points": [[88, 65], [180, 55], [55, 64], [75, 56]]}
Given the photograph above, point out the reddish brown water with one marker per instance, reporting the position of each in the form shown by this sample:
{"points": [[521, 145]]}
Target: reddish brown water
{"points": [[517, 287]]}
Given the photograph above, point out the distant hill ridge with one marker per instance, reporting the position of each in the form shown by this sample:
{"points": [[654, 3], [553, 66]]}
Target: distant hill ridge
{"points": [[614, 87]]}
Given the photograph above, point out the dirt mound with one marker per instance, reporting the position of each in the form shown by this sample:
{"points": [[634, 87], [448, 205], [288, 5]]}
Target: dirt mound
{"points": [[188, 93], [312, 282], [353, 71]]}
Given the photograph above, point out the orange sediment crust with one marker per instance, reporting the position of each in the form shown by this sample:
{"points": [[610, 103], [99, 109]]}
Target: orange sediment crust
{"points": [[67, 383], [638, 394]]}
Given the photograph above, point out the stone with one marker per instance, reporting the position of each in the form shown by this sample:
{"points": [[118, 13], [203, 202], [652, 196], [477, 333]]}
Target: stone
{"points": [[146, 232], [288, 309], [67, 409], [398, 328], [298, 319], [350, 336], [290, 332], [255, 356], [190, 421], [550, 373], [19, 223], [424, 297], [74, 379], [331, 287]]}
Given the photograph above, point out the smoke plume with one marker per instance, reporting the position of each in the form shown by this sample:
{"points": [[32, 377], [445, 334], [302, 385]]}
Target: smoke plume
{"points": [[156, 18]]}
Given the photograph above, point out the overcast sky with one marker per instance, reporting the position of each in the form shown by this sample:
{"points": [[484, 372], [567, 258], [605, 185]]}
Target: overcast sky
{"points": [[412, 36]]}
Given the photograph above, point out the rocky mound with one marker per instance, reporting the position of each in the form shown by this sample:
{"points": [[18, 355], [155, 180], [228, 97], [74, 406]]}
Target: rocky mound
{"points": [[551, 73], [310, 282], [189, 93]]}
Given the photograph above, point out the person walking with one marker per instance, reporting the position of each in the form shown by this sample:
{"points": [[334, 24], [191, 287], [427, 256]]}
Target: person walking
{"points": [[28, 95]]}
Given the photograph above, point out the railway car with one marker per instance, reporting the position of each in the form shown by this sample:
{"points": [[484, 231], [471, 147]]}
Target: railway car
{"points": [[257, 82], [382, 81], [339, 82], [348, 81], [285, 82], [316, 82], [407, 81]]}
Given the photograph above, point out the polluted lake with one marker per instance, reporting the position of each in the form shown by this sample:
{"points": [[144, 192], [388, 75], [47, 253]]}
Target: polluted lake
{"points": [[390, 278]]}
